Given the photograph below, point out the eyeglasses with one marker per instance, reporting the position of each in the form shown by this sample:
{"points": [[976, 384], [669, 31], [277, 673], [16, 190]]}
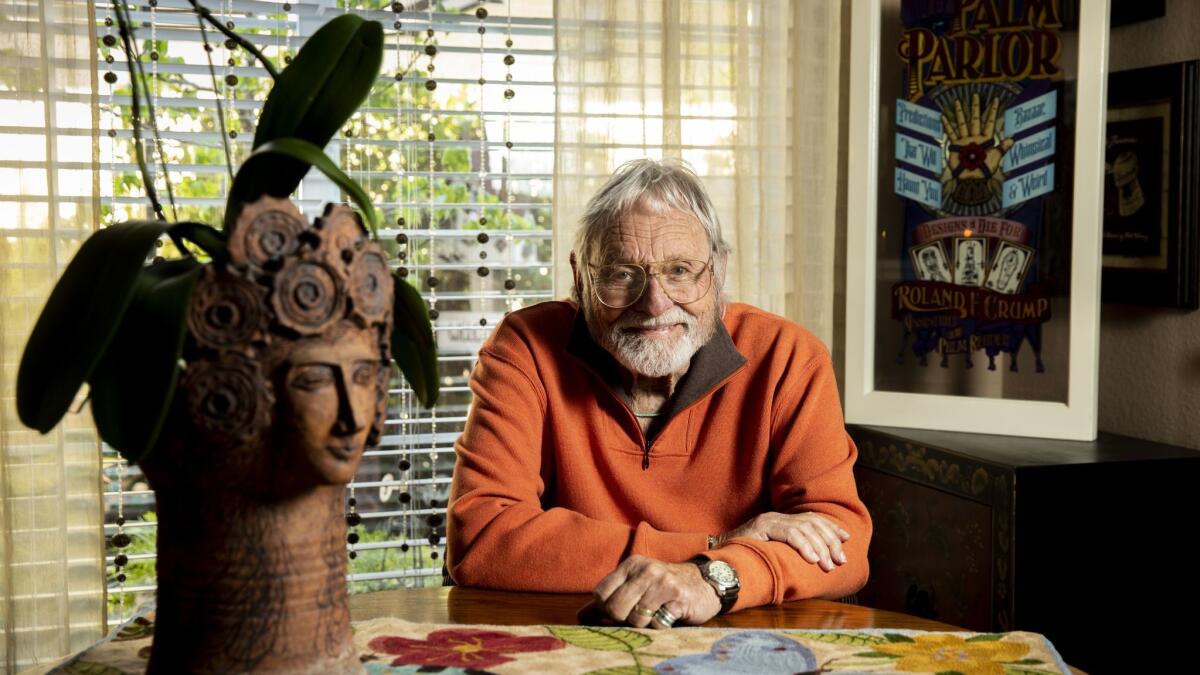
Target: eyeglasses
{"points": [[619, 286]]}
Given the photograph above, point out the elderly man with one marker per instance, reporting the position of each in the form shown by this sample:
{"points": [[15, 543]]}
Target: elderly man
{"points": [[676, 455]]}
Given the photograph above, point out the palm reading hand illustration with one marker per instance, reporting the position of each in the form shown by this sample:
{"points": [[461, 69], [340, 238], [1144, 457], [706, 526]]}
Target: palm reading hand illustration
{"points": [[972, 149]]}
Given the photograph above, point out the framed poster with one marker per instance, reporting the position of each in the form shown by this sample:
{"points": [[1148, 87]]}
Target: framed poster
{"points": [[1152, 187], [975, 169]]}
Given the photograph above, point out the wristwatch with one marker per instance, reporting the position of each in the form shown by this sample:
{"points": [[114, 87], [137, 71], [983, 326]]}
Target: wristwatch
{"points": [[722, 577]]}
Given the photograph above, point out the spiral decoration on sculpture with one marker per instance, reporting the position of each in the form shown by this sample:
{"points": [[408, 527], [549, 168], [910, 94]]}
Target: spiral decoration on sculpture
{"points": [[267, 230], [227, 311], [308, 296], [227, 400], [342, 232]]}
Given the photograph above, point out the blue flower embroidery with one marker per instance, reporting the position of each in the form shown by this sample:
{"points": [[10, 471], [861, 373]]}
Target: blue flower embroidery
{"points": [[750, 652]]}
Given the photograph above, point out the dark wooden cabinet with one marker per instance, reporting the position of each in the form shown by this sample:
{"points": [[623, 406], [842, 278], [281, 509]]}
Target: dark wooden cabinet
{"points": [[1091, 544]]}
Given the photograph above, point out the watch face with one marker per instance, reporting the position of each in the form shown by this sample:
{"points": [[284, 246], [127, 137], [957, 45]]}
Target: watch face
{"points": [[722, 573]]}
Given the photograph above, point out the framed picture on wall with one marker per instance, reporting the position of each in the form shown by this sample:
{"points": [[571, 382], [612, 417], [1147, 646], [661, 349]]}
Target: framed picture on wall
{"points": [[1152, 187], [973, 239]]}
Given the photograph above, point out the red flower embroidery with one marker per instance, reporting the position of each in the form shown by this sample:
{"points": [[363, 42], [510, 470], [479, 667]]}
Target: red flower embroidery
{"points": [[461, 648]]}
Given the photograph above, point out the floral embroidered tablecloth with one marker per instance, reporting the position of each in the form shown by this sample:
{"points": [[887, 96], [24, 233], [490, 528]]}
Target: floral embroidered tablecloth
{"points": [[394, 646]]}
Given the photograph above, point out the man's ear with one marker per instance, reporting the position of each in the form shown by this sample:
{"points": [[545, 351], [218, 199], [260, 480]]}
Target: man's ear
{"points": [[577, 288], [721, 263]]}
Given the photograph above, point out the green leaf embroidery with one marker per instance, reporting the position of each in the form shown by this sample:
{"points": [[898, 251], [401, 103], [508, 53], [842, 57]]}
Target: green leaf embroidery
{"points": [[601, 638], [1025, 662], [1025, 671], [90, 668], [80, 319], [896, 637], [949, 672], [134, 383], [876, 655], [413, 347], [245, 191], [623, 670], [856, 639], [986, 637]]}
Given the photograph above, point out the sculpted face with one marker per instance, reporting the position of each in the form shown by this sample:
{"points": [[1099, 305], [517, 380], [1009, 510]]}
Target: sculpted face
{"points": [[655, 336], [328, 400]]}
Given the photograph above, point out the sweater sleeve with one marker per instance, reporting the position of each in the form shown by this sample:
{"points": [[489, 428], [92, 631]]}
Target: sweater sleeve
{"points": [[498, 534], [813, 471]]}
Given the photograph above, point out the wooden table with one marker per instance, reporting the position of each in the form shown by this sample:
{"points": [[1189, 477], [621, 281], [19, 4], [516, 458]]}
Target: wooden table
{"points": [[476, 606]]}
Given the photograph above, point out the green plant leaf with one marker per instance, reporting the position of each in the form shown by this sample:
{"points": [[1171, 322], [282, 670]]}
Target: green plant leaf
{"points": [[897, 637], [79, 320], [317, 93], [413, 348], [856, 639], [601, 638], [134, 383], [210, 239], [259, 162]]}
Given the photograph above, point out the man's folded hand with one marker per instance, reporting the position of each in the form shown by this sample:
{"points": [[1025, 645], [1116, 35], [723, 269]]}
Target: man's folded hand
{"points": [[640, 586], [815, 537]]}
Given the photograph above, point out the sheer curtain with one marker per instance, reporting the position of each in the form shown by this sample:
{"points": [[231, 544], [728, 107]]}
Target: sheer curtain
{"points": [[747, 92], [51, 541]]}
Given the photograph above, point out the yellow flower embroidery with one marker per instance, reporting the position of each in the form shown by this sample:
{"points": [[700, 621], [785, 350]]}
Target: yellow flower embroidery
{"points": [[938, 652]]}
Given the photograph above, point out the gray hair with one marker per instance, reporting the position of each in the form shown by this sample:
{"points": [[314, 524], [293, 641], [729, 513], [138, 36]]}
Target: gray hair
{"points": [[668, 184]]}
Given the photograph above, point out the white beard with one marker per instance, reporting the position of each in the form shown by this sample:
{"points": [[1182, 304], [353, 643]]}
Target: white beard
{"points": [[650, 356]]}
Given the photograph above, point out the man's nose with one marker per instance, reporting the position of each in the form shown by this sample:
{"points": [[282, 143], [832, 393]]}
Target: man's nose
{"points": [[654, 300]]}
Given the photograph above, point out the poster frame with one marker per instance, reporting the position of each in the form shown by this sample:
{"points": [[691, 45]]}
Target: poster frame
{"points": [[1076, 419]]}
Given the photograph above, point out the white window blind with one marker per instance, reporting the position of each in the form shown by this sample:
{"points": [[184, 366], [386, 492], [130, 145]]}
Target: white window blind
{"points": [[455, 146]]}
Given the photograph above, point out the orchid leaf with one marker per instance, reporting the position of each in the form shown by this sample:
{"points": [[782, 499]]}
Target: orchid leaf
{"points": [[300, 149], [80, 319], [134, 383], [209, 239], [315, 96], [413, 347]]}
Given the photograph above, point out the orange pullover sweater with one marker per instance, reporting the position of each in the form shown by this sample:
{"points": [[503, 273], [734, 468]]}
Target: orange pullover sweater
{"points": [[555, 483]]}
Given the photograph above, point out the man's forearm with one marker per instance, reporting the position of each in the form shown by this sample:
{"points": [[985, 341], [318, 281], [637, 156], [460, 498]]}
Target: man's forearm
{"points": [[494, 543], [772, 571]]}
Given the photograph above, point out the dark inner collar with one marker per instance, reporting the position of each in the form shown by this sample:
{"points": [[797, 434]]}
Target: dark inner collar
{"points": [[711, 364]]}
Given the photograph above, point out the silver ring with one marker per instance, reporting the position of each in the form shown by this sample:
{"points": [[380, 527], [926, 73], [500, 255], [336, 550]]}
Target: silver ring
{"points": [[664, 617]]}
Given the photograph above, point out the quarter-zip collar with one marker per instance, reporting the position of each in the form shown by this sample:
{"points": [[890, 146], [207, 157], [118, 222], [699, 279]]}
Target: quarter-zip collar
{"points": [[711, 365]]}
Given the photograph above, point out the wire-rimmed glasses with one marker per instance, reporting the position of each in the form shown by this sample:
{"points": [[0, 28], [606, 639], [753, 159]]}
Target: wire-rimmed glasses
{"points": [[620, 285]]}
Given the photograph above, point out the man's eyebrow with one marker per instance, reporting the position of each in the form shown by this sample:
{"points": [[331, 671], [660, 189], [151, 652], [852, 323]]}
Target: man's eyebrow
{"points": [[612, 260]]}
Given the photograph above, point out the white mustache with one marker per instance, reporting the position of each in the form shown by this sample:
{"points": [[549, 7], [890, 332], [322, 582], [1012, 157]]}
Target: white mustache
{"points": [[669, 318]]}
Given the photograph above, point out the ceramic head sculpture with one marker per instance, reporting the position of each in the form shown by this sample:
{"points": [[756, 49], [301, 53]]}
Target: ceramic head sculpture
{"points": [[285, 384]]}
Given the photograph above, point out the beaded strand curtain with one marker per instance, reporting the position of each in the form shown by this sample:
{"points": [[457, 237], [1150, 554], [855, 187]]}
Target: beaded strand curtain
{"points": [[454, 149]]}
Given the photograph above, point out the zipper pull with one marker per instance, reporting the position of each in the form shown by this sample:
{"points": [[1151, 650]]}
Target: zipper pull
{"points": [[645, 458]]}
